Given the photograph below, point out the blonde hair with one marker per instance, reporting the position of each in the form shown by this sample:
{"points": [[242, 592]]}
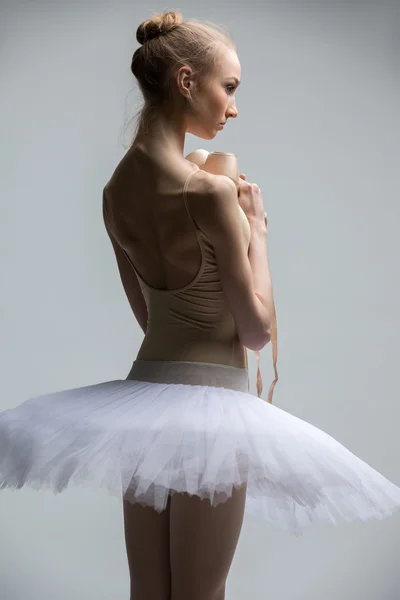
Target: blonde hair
{"points": [[168, 41]]}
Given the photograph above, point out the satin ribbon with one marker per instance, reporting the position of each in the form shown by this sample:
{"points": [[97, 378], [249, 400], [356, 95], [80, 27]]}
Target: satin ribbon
{"points": [[274, 342]]}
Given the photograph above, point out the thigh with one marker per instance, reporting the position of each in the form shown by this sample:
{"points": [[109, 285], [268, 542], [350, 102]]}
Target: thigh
{"points": [[203, 540], [147, 546]]}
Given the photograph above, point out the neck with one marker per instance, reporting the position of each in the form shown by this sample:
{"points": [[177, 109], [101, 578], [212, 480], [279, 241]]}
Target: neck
{"points": [[166, 132]]}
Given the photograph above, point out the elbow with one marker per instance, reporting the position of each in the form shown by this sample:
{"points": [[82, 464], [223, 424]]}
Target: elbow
{"points": [[263, 341], [257, 344], [267, 338], [268, 334], [257, 338]]}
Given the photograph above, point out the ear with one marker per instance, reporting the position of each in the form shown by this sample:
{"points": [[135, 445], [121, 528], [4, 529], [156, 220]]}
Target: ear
{"points": [[184, 80]]}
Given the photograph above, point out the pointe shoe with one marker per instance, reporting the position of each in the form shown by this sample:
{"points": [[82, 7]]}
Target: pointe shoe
{"points": [[198, 157]]}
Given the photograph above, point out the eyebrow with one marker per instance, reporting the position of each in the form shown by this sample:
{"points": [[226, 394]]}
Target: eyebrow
{"points": [[236, 80]]}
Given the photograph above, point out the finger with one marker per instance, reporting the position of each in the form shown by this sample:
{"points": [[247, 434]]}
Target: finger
{"points": [[242, 176]]}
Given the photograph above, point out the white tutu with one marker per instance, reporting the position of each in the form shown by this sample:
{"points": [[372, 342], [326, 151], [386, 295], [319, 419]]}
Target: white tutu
{"points": [[146, 440]]}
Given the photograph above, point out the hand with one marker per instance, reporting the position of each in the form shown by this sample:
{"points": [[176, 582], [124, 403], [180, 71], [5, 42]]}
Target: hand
{"points": [[250, 200]]}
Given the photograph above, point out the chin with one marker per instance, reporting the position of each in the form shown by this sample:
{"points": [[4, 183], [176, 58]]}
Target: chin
{"points": [[203, 135]]}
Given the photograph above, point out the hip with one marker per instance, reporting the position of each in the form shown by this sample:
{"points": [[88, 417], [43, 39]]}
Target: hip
{"points": [[190, 373]]}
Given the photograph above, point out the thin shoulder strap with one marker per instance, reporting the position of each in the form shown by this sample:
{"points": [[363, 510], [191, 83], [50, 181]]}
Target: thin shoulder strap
{"points": [[185, 187], [186, 184]]}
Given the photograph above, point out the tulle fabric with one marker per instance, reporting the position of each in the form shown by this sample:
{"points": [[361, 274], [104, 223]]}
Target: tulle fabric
{"points": [[145, 440]]}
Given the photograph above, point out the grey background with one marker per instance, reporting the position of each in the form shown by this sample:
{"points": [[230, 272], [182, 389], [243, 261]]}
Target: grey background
{"points": [[318, 131]]}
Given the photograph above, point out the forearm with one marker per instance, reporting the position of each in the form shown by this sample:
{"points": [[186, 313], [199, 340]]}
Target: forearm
{"points": [[258, 258]]}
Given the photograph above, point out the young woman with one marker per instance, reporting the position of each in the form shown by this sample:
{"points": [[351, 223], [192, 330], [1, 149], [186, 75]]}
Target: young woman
{"points": [[181, 440]]}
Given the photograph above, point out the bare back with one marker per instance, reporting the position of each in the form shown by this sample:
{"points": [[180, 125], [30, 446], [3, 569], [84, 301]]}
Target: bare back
{"points": [[151, 209], [149, 220]]}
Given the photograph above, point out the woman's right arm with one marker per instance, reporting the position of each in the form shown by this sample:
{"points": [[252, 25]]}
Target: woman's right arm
{"points": [[244, 272], [258, 258]]}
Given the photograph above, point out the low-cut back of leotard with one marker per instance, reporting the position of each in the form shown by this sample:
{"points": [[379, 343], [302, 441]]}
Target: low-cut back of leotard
{"points": [[193, 322]]}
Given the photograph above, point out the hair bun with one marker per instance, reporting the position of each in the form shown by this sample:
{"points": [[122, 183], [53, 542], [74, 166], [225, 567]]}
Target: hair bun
{"points": [[159, 24]]}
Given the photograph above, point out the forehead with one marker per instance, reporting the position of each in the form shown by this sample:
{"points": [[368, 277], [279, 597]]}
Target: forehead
{"points": [[229, 64]]}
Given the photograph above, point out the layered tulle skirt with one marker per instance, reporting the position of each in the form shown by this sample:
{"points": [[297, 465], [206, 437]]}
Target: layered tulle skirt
{"points": [[177, 426]]}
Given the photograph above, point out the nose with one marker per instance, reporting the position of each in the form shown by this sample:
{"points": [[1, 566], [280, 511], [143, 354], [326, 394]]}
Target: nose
{"points": [[232, 112]]}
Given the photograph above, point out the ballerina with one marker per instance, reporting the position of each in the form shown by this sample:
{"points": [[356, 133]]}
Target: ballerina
{"points": [[181, 440]]}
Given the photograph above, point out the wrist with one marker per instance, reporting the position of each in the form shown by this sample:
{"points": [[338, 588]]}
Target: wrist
{"points": [[258, 225]]}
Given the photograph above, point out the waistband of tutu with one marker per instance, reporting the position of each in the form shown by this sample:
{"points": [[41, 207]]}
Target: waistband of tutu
{"points": [[189, 372]]}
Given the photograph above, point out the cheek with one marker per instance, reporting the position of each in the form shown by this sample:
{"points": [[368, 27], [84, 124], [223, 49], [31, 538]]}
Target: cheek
{"points": [[218, 102], [212, 105]]}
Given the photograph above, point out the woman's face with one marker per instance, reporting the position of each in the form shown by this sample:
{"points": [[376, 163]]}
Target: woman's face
{"points": [[214, 103]]}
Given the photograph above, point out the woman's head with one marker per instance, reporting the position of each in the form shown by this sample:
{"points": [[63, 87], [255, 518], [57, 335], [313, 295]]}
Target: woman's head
{"points": [[186, 66]]}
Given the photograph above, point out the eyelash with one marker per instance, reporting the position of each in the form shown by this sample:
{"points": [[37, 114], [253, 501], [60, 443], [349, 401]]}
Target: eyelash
{"points": [[232, 90]]}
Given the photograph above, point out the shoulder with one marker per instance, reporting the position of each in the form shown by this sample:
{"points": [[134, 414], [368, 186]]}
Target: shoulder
{"points": [[207, 189], [211, 198], [210, 184]]}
